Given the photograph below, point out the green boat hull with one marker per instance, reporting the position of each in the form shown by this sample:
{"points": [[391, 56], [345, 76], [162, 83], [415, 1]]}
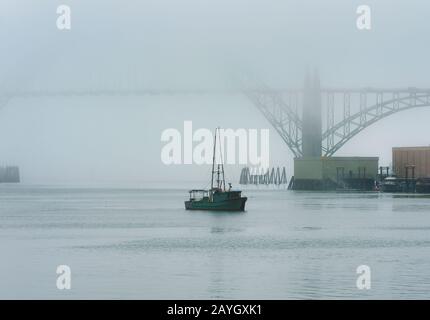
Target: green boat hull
{"points": [[236, 204]]}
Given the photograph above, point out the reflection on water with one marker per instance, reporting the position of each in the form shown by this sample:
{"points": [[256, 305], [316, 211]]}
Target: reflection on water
{"points": [[141, 243]]}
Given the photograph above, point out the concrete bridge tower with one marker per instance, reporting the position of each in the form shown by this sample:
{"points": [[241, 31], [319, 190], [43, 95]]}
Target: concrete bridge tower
{"points": [[312, 119]]}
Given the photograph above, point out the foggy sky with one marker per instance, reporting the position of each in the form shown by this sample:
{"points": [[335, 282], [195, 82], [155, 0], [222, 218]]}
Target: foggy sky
{"points": [[187, 45]]}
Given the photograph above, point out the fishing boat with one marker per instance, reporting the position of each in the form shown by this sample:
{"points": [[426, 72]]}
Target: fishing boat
{"points": [[217, 197]]}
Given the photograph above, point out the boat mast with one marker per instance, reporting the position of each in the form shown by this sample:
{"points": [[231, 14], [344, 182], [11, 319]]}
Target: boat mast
{"points": [[220, 183], [222, 164], [213, 160]]}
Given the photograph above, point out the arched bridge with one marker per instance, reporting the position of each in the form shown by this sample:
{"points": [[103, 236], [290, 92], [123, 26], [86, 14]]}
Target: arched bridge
{"points": [[5, 97], [318, 121], [312, 121]]}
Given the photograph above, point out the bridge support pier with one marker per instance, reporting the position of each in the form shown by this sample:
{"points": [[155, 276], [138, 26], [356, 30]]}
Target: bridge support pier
{"points": [[312, 117]]}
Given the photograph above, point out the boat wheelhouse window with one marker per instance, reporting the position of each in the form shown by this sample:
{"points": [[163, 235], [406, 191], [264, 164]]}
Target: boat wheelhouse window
{"points": [[198, 194]]}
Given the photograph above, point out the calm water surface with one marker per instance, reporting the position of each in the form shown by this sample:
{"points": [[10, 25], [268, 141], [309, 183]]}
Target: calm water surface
{"points": [[137, 243]]}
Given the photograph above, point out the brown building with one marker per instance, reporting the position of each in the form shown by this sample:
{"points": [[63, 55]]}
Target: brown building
{"points": [[417, 159]]}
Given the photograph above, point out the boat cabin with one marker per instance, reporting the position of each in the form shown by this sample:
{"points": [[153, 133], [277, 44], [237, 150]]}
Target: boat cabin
{"points": [[196, 195]]}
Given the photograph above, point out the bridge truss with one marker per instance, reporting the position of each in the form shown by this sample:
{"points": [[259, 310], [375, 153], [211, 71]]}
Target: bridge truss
{"points": [[347, 112]]}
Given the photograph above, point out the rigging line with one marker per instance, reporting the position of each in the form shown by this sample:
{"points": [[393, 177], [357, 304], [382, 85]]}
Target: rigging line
{"points": [[221, 156]]}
